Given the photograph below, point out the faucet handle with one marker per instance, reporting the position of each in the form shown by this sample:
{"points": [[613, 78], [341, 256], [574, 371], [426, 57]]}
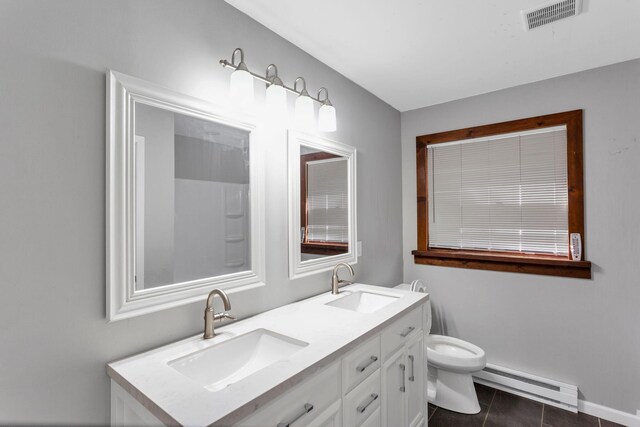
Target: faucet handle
{"points": [[221, 316], [345, 282]]}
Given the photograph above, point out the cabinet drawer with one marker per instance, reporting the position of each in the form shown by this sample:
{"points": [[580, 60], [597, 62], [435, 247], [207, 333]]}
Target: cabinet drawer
{"points": [[375, 420], [362, 401], [396, 335], [360, 363], [302, 404], [331, 417]]}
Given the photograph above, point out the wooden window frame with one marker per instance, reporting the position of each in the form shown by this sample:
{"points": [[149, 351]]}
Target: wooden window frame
{"points": [[508, 261], [317, 248]]}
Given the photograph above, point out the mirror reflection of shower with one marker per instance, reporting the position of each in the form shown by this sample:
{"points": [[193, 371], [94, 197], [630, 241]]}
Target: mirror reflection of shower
{"points": [[192, 217]]}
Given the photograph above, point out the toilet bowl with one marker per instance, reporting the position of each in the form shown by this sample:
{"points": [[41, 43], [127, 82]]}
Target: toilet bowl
{"points": [[450, 363]]}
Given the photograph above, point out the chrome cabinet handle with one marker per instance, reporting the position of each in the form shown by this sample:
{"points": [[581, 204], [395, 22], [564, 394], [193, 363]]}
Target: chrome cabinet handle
{"points": [[411, 377], [402, 368], [308, 407], [371, 360], [407, 331], [363, 407]]}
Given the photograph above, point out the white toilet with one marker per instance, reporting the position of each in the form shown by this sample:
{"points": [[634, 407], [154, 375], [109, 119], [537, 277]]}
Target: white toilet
{"points": [[450, 363]]}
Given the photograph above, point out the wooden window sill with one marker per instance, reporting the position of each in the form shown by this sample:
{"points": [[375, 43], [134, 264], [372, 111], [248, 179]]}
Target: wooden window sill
{"points": [[517, 263], [321, 248]]}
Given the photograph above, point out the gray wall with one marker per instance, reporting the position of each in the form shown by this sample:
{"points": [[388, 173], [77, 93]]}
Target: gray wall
{"points": [[54, 337], [583, 332]]}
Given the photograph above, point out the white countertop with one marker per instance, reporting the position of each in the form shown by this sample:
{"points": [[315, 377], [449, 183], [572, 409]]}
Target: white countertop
{"points": [[330, 331]]}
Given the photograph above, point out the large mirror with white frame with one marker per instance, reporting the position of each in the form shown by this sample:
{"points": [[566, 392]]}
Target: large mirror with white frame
{"points": [[185, 210], [322, 204]]}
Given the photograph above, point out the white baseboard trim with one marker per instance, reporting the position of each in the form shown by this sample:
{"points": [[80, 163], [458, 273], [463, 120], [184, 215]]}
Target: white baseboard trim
{"points": [[609, 414]]}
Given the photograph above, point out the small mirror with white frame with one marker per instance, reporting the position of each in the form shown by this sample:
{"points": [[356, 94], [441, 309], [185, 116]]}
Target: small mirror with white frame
{"points": [[322, 204], [185, 199]]}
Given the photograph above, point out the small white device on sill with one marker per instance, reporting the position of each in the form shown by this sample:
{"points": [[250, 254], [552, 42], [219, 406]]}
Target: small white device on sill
{"points": [[575, 242]]}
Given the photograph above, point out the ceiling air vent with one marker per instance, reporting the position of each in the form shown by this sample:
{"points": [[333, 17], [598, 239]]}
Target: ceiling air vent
{"points": [[549, 12]]}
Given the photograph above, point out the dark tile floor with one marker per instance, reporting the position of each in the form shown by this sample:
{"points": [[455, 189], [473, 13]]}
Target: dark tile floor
{"points": [[500, 409]]}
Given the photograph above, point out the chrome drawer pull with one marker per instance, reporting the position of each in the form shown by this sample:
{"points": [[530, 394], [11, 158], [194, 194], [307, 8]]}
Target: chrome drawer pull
{"points": [[371, 360], [364, 406], [407, 331], [411, 377], [308, 407], [402, 375]]}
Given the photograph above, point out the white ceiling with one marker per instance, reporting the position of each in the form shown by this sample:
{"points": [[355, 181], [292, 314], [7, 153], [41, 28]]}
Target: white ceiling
{"points": [[416, 53]]}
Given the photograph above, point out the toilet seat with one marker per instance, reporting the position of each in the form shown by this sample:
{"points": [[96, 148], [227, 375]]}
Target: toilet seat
{"points": [[454, 354]]}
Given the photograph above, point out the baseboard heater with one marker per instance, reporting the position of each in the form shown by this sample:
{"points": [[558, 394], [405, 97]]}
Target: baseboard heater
{"points": [[530, 386]]}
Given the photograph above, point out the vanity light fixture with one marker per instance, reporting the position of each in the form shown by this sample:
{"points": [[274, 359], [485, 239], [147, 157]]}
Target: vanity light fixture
{"points": [[241, 85], [304, 105], [327, 113], [241, 92], [276, 96]]}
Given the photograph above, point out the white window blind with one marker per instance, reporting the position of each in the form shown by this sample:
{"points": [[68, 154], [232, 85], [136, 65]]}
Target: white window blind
{"points": [[501, 193], [327, 200]]}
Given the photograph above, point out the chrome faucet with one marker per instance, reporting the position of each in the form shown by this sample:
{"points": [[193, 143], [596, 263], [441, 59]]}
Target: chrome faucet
{"points": [[210, 316], [335, 282]]}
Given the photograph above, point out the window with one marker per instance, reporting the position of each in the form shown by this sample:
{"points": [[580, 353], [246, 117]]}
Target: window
{"points": [[324, 204], [503, 197]]}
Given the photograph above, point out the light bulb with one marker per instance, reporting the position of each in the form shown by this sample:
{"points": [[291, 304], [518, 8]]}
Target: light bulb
{"points": [[241, 88], [276, 99], [327, 118], [304, 113]]}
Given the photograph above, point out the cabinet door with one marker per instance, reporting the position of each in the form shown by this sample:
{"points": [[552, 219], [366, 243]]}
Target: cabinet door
{"points": [[393, 390], [414, 379]]}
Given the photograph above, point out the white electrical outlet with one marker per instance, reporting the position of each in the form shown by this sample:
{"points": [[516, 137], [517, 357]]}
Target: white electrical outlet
{"points": [[359, 249]]}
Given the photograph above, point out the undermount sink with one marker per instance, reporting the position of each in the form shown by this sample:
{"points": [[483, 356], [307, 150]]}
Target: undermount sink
{"points": [[227, 363], [363, 302]]}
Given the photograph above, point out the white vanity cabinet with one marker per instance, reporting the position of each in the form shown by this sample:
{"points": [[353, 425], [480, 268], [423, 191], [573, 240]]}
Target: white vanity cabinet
{"points": [[356, 369], [382, 385], [403, 373]]}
